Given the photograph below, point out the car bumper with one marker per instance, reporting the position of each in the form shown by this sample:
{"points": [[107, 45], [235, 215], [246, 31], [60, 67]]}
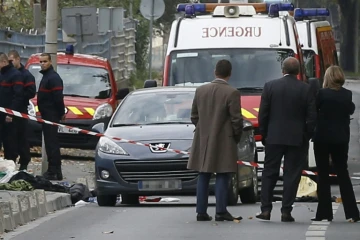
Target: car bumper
{"points": [[66, 140], [125, 174]]}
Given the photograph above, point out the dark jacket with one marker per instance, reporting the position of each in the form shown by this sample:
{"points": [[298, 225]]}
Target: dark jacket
{"points": [[287, 114], [50, 98], [334, 110], [11, 88], [29, 87]]}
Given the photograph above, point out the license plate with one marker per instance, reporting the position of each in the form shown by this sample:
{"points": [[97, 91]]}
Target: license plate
{"points": [[159, 185], [67, 130]]}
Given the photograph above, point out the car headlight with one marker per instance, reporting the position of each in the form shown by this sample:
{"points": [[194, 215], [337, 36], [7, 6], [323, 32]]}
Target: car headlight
{"points": [[104, 110], [106, 145], [31, 109]]}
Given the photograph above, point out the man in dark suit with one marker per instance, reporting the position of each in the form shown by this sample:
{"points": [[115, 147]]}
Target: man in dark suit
{"points": [[286, 120]]}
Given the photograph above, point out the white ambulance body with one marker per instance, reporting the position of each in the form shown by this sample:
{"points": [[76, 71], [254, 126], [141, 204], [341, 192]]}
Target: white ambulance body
{"points": [[255, 43]]}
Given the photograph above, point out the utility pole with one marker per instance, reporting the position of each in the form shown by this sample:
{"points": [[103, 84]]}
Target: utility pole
{"points": [[51, 48], [151, 38]]}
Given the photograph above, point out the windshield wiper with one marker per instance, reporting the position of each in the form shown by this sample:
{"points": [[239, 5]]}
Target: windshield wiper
{"points": [[250, 88], [125, 125], [76, 95], [159, 123]]}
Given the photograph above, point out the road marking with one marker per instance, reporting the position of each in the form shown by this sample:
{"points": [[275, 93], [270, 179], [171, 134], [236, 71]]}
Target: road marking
{"points": [[317, 230]]}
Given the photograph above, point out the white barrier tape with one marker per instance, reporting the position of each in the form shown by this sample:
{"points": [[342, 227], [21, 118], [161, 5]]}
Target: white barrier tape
{"points": [[22, 115]]}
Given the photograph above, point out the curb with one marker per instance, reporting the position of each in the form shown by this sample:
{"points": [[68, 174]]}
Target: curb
{"points": [[20, 207]]}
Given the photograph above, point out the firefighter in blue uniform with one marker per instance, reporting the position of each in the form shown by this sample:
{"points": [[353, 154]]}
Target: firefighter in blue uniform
{"points": [[50, 100], [11, 96], [22, 123]]}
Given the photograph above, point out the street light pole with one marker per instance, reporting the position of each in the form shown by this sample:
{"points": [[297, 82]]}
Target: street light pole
{"points": [[51, 48]]}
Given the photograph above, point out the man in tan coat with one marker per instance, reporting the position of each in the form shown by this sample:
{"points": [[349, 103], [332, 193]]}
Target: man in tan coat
{"points": [[216, 114]]}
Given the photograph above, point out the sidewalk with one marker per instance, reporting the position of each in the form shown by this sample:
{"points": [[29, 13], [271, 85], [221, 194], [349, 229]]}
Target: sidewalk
{"points": [[20, 207]]}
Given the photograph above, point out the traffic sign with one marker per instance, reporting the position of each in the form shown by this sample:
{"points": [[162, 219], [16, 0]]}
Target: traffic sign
{"points": [[147, 10]]}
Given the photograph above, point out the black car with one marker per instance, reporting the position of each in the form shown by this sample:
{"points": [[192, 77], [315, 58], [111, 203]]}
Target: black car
{"points": [[160, 117]]}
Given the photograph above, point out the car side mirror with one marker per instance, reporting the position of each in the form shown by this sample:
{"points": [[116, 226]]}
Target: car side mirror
{"points": [[99, 127], [122, 93], [314, 85], [247, 126], [150, 83]]}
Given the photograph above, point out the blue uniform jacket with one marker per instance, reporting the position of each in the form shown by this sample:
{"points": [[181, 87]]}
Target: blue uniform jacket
{"points": [[50, 98], [11, 88]]}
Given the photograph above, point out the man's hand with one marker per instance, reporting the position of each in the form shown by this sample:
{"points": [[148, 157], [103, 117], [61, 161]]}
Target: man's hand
{"points": [[63, 118], [8, 119]]}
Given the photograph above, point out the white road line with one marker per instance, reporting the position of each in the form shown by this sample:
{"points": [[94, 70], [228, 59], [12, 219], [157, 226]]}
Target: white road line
{"points": [[317, 230]]}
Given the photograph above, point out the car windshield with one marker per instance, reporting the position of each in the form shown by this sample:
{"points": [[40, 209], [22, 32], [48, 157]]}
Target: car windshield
{"points": [[83, 81], [251, 68], [155, 108]]}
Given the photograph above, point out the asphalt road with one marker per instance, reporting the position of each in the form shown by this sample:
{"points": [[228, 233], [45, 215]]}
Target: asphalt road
{"points": [[157, 221]]}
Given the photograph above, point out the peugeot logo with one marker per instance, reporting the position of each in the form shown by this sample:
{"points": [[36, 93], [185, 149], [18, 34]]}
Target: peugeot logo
{"points": [[159, 147]]}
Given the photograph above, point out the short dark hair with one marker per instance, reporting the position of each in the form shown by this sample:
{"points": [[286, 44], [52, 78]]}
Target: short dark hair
{"points": [[14, 53], [223, 68], [291, 66], [46, 55], [3, 57]]}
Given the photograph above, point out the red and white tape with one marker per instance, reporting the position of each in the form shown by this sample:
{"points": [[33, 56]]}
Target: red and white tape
{"points": [[22, 115]]}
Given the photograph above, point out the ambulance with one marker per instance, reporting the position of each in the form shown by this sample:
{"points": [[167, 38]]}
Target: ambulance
{"points": [[90, 97], [319, 49], [254, 37]]}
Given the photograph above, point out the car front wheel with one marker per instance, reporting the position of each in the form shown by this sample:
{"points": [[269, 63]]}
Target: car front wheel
{"points": [[106, 200], [250, 194], [233, 193], [129, 199]]}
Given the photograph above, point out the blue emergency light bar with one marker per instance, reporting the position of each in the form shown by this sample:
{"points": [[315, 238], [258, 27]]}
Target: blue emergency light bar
{"points": [[197, 7], [69, 50], [281, 6], [202, 7], [301, 13]]}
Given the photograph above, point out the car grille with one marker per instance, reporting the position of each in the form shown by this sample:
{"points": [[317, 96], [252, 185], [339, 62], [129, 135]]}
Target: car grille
{"points": [[134, 170]]}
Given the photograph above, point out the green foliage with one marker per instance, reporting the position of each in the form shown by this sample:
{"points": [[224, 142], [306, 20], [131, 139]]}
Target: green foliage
{"points": [[138, 78], [19, 15]]}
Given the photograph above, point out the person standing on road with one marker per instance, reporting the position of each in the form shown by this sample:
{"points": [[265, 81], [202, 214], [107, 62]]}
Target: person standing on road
{"points": [[21, 125], [332, 135], [218, 128], [287, 119], [51, 105], [11, 97]]}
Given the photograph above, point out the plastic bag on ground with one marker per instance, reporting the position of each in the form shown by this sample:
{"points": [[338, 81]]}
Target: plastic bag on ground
{"points": [[307, 187], [7, 165]]}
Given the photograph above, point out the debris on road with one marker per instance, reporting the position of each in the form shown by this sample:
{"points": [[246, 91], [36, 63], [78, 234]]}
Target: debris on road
{"points": [[108, 232]]}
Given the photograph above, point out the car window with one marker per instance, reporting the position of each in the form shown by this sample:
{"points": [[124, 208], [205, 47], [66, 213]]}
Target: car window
{"points": [[85, 81], [155, 108]]}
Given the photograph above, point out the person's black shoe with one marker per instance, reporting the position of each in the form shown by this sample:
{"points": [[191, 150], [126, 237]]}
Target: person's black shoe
{"points": [[203, 217], [286, 217], [226, 217], [53, 176], [316, 219], [264, 216]]}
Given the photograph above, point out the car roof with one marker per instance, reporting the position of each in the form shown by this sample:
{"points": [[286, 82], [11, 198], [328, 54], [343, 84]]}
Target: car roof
{"points": [[165, 89]]}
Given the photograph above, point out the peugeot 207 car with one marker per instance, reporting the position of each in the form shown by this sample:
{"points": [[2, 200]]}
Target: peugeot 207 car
{"points": [[160, 117]]}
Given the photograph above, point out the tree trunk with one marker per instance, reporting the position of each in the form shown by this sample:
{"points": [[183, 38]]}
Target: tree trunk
{"points": [[349, 49]]}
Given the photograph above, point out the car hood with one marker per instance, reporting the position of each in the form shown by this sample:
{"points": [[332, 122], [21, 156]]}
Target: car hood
{"points": [[78, 107], [178, 136]]}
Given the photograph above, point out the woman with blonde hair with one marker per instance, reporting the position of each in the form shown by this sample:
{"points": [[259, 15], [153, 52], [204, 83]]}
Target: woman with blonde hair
{"points": [[331, 138]]}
